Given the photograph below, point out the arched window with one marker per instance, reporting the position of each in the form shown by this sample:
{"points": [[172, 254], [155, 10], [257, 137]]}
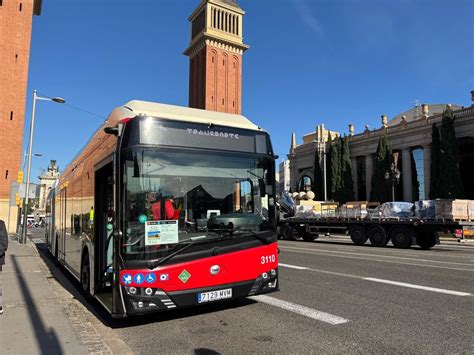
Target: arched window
{"points": [[305, 184]]}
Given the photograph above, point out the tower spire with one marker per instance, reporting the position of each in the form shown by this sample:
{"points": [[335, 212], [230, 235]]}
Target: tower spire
{"points": [[215, 53]]}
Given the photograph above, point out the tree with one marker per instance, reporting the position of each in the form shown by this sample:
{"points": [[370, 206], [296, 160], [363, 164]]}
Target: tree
{"points": [[414, 180], [383, 161], [434, 166], [450, 181], [347, 185], [334, 169], [318, 176]]}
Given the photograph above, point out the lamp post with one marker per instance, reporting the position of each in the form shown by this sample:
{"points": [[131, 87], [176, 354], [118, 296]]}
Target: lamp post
{"points": [[30, 148]]}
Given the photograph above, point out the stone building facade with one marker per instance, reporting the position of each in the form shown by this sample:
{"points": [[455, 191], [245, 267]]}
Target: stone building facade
{"points": [[215, 53], [47, 181], [409, 134], [16, 18]]}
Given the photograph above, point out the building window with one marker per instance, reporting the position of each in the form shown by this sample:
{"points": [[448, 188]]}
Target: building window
{"points": [[6, 174], [223, 101], [11, 115], [21, 6], [305, 184]]}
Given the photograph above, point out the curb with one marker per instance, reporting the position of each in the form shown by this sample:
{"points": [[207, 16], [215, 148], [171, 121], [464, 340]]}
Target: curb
{"points": [[98, 338]]}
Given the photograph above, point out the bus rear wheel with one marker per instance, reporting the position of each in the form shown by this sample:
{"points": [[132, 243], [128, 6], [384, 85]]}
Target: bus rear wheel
{"points": [[378, 236], [358, 234], [401, 237], [85, 274]]}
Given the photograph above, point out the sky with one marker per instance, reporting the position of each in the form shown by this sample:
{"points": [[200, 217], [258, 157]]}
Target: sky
{"points": [[310, 62]]}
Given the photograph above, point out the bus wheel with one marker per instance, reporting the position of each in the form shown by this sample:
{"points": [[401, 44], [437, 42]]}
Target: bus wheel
{"points": [[377, 236], [401, 237], [358, 234], [287, 232], [85, 274], [425, 240]]}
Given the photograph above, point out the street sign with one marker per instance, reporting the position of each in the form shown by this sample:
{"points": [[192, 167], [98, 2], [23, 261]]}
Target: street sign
{"points": [[31, 193]]}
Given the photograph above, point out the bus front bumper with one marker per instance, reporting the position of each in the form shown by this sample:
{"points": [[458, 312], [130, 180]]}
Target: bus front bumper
{"points": [[141, 300]]}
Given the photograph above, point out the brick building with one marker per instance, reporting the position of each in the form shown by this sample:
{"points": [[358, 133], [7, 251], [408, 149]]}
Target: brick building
{"points": [[215, 52], [16, 17]]}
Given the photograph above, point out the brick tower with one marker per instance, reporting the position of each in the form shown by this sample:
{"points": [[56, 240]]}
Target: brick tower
{"points": [[16, 18], [215, 52]]}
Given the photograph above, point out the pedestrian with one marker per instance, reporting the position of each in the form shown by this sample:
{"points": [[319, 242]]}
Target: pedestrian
{"points": [[3, 249]]}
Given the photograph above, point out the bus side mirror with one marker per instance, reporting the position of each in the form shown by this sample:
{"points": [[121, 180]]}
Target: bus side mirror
{"points": [[111, 130]]}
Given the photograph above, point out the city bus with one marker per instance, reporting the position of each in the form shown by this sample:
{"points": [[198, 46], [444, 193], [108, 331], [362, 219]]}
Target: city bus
{"points": [[168, 207]]}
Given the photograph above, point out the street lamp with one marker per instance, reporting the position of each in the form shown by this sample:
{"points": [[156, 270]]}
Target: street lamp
{"points": [[30, 147], [393, 175]]}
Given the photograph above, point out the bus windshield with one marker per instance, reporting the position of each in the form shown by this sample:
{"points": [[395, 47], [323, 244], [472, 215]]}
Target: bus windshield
{"points": [[177, 197]]}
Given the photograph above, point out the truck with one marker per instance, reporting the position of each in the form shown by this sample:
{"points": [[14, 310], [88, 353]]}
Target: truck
{"points": [[403, 232]]}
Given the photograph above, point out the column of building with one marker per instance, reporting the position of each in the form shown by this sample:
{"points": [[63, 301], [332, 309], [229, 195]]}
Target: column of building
{"points": [[355, 180], [407, 175], [369, 162]]}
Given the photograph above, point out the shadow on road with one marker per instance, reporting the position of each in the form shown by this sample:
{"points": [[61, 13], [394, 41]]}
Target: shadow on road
{"points": [[69, 283], [47, 338]]}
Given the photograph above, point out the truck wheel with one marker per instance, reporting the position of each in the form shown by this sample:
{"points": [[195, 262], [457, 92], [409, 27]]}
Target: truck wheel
{"points": [[377, 236], [309, 237], [358, 234], [287, 232], [401, 237], [425, 240]]}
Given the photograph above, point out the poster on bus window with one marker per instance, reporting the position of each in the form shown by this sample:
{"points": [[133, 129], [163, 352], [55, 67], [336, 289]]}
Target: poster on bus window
{"points": [[161, 232]]}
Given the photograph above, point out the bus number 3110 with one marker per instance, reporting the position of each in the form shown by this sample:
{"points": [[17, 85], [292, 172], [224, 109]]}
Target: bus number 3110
{"points": [[267, 259]]}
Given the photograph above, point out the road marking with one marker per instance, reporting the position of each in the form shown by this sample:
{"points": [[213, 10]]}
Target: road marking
{"points": [[302, 310], [372, 259], [382, 256], [395, 283], [293, 266], [432, 289]]}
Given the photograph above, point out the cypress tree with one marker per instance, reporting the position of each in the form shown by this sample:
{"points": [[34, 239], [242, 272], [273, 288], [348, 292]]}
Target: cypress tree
{"points": [[335, 168], [450, 181], [434, 166], [347, 185], [318, 177], [380, 191], [328, 167], [414, 180]]}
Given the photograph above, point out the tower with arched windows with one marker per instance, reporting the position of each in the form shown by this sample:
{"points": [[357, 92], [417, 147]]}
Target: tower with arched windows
{"points": [[215, 53]]}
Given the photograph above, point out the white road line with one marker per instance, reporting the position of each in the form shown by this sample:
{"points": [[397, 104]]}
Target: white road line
{"points": [[432, 289], [302, 310], [395, 283], [293, 266], [381, 256], [315, 252]]}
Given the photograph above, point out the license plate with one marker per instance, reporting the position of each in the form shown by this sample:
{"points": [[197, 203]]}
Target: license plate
{"points": [[212, 296]]}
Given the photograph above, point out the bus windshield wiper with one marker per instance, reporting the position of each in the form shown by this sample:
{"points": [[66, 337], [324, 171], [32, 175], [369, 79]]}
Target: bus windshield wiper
{"points": [[231, 230], [152, 264]]}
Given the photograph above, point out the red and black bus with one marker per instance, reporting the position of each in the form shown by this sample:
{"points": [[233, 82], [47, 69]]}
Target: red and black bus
{"points": [[168, 207]]}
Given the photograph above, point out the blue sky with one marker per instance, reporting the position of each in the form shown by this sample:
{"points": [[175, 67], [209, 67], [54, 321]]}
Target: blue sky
{"points": [[310, 62]]}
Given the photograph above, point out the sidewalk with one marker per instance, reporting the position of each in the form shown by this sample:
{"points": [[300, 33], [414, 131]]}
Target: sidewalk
{"points": [[41, 316]]}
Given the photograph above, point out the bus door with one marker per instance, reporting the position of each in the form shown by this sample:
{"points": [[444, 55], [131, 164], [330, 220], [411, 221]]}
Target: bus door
{"points": [[104, 215]]}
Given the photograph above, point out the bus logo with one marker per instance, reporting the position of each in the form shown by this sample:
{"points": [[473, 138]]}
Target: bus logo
{"points": [[184, 276], [215, 269]]}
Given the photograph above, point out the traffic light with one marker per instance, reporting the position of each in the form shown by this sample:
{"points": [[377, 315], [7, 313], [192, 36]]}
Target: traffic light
{"points": [[20, 177], [17, 199]]}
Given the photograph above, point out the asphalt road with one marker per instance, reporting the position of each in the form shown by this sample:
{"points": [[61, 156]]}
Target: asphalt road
{"points": [[335, 298]]}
